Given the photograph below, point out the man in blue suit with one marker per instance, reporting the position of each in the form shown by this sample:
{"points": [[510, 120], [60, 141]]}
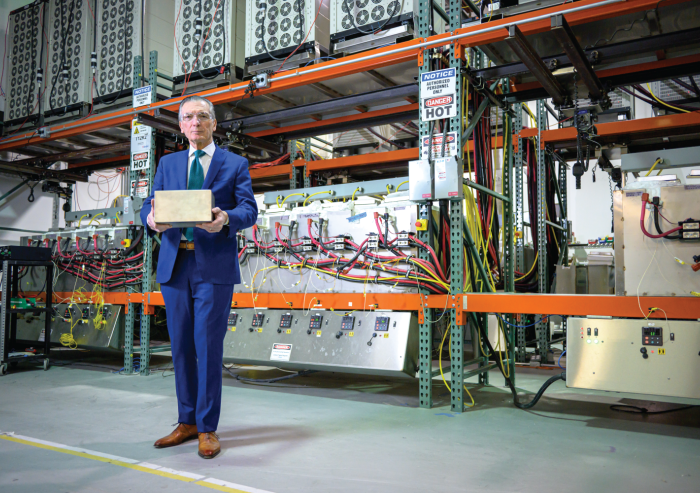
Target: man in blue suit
{"points": [[197, 269]]}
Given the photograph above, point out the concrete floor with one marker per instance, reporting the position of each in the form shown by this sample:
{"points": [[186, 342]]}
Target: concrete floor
{"points": [[335, 433]]}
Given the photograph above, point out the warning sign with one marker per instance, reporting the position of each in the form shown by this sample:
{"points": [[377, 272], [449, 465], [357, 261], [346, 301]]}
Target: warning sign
{"points": [[140, 138], [281, 352], [437, 94], [140, 161], [139, 188], [450, 146]]}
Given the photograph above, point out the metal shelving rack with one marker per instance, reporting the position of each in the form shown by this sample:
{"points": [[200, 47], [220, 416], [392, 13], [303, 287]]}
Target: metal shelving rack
{"points": [[8, 318], [406, 56]]}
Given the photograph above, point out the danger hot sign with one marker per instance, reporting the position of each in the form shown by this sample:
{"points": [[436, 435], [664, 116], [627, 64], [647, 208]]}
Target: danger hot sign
{"points": [[437, 94]]}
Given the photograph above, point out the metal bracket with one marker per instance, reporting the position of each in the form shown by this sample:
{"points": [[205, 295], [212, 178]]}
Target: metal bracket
{"points": [[517, 42]]}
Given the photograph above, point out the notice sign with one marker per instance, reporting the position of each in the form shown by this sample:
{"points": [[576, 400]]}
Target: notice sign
{"points": [[450, 146], [142, 96], [140, 161], [139, 188], [281, 352], [437, 94]]}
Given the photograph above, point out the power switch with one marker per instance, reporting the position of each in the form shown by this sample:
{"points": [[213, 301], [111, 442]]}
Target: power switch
{"points": [[588, 331], [672, 336], [595, 332]]}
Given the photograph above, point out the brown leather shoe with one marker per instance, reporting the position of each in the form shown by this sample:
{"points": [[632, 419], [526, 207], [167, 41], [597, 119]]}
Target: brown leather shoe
{"points": [[179, 435], [209, 445]]}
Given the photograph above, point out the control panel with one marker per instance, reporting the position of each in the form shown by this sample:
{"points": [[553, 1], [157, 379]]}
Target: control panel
{"points": [[232, 318], [328, 342], [381, 324], [608, 354], [652, 336], [347, 323], [286, 321], [315, 321]]}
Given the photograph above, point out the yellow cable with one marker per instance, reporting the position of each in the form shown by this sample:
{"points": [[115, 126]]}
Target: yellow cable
{"points": [[663, 102], [114, 202], [95, 217], [317, 193], [654, 166], [117, 217], [402, 183], [534, 263], [388, 189], [81, 219], [290, 195], [353, 194], [440, 364]]}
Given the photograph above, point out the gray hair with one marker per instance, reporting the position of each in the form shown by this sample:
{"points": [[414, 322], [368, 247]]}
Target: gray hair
{"points": [[196, 99]]}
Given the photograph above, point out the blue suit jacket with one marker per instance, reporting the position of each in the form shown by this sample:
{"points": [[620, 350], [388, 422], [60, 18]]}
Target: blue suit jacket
{"points": [[216, 253]]}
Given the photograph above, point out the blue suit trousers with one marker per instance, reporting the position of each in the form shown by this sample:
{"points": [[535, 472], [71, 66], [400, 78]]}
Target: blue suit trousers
{"points": [[197, 314]]}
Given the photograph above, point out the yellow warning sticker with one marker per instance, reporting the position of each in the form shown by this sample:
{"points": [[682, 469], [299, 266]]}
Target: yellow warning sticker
{"points": [[318, 333], [662, 351], [289, 331], [232, 329], [260, 329], [386, 336], [351, 334]]}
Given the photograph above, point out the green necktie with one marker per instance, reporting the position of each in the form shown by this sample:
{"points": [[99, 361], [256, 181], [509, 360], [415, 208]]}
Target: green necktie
{"points": [[195, 182]]}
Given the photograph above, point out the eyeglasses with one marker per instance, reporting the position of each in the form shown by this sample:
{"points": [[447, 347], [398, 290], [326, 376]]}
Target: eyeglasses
{"points": [[202, 117]]}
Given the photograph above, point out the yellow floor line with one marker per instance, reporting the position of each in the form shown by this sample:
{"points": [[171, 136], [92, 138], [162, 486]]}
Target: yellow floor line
{"points": [[211, 483]]}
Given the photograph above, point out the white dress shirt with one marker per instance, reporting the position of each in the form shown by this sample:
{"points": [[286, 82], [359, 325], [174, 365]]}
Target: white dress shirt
{"points": [[205, 162]]}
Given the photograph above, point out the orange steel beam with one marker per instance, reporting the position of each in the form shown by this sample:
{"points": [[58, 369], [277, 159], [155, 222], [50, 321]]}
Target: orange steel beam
{"points": [[279, 170], [332, 121], [544, 25], [684, 308], [583, 305], [382, 57], [678, 121], [363, 160]]}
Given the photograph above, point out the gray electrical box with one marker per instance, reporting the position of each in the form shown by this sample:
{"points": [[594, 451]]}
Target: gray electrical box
{"points": [[448, 176], [655, 357], [420, 183], [376, 343]]}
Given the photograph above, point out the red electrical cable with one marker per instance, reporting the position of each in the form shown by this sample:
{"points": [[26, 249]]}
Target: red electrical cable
{"points": [[644, 229]]}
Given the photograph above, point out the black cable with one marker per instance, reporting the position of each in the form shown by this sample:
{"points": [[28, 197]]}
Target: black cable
{"points": [[301, 373], [509, 382], [658, 226], [262, 38], [63, 50], [35, 23], [625, 408], [223, 27]]}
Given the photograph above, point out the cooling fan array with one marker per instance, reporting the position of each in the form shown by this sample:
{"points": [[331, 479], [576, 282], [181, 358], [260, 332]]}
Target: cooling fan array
{"points": [[118, 27], [201, 46], [24, 40]]}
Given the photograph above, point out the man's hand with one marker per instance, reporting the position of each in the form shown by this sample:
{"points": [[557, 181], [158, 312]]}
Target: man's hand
{"points": [[220, 219], [152, 219]]}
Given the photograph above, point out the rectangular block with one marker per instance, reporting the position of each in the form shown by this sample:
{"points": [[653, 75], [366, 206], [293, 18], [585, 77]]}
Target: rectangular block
{"points": [[420, 184], [448, 176], [184, 208]]}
